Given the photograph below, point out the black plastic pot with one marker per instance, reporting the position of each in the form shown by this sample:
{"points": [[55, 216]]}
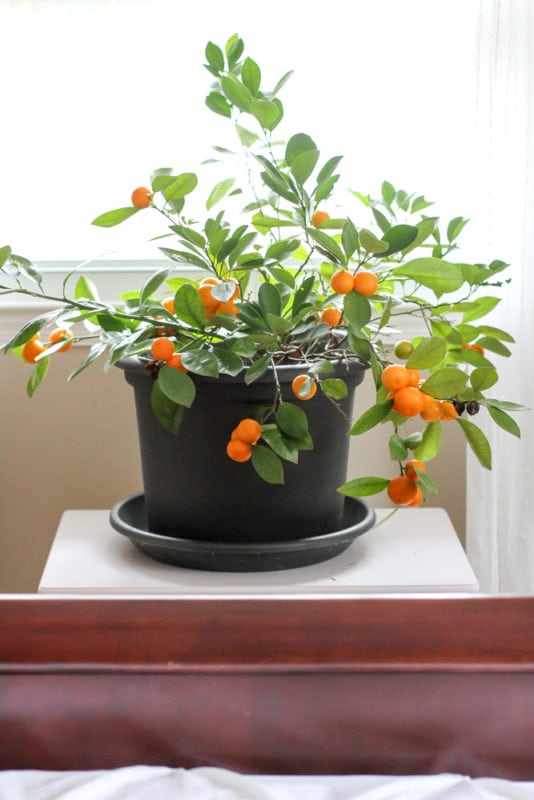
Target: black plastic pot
{"points": [[193, 492]]}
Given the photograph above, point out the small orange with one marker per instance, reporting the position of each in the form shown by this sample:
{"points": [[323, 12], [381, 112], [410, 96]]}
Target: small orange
{"points": [[319, 217], [175, 361], [248, 430], [58, 335], [402, 490], [141, 197], [365, 283], [238, 450], [32, 349], [394, 377], [408, 401], [432, 410], [209, 281], [411, 466], [342, 281], [168, 303], [414, 376], [162, 348], [419, 497], [332, 316], [304, 387], [227, 308], [448, 411], [209, 302]]}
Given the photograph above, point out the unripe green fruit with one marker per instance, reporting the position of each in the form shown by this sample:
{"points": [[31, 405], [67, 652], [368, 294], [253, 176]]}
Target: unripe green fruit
{"points": [[403, 349]]}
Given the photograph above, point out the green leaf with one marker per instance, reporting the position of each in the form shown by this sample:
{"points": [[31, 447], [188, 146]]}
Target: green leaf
{"points": [[251, 76], [455, 227], [267, 464], [303, 166], [85, 289], [236, 92], [257, 368], [229, 362], [397, 448], [425, 228], [297, 145], [267, 112], [177, 386], [398, 238], [152, 285], [281, 444], [483, 377], [329, 244], [477, 442], [363, 487], [169, 413], [497, 333], [279, 186], [38, 375], [327, 170], [504, 421], [371, 243], [356, 310], [5, 252], [188, 306], [292, 420], [336, 388], [219, 191], [217, 103], [445, 383], [373, 416], [269, 299], [214, 56], [202, 362], [388, 192], [430, 443], [115, 217], [30, 328], [324, 190], [179, 186], [428, 353], [475, 309], [263, 221], [494, 346], [434, 273], [349, 238], [96, 350]]}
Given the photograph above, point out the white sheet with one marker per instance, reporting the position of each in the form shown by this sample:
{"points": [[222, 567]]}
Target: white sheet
{"points": [[208, 783]]}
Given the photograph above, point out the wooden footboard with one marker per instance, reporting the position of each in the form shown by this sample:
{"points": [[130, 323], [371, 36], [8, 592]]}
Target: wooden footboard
{"points": [[328, 685]]}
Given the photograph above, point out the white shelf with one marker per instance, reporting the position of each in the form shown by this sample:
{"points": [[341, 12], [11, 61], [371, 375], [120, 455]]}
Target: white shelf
{"points": [[416, 550]]}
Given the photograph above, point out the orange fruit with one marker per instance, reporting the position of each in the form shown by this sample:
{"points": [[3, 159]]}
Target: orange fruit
{"points": [[175, 361], [32, 349], [394, 377], [169, 304], [365, 283], [411, 466], [419, 497], [402, 490], [332, 316], [408, 401], [238, 450], [209, 302], [301, 391], [448, 411], [319, 217], [227, 308], [342, 281], [58, 335], [210, 281], [476, 347], [414, 376], [162, 348], [248, 430], [141, 197], [431, 410]]}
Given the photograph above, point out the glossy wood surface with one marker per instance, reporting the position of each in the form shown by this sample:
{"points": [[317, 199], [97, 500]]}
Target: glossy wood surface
{"points": [[318, 685]]}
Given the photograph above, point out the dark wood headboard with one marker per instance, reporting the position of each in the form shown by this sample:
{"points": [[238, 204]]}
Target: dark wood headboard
{"points": [[303, 686]]}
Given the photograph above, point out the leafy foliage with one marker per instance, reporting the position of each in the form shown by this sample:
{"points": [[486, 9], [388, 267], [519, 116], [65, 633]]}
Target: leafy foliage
{"points": [[270, 271]]}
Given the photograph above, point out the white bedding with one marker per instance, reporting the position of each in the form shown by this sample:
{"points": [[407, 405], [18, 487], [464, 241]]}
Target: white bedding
{"points": [[208, 783]]}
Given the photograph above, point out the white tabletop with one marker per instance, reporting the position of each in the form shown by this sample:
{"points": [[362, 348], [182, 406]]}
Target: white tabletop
{"points": [[416, 550]]}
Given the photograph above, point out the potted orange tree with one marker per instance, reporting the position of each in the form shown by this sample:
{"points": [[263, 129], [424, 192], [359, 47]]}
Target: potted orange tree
{"points": [[246, 350]]}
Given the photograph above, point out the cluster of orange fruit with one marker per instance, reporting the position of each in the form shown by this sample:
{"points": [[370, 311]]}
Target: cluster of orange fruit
{"points": [[242, 440], [364, 282], [162, 349], [211, 304], [409, 400], [403, 490], [34, 347]]}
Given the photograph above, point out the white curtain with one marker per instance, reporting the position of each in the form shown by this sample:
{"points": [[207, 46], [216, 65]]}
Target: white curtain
{"points": [[500, 503]]}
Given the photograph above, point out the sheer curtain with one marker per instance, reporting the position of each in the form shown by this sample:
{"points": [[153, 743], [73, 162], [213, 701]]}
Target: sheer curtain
{"points": [[500, 503]]}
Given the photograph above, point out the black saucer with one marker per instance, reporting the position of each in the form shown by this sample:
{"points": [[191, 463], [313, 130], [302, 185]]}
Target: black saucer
{"points": [[128, 517]]}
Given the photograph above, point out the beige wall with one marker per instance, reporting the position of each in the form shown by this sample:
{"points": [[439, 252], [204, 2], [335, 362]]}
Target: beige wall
{"points": [[75, 446]]}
